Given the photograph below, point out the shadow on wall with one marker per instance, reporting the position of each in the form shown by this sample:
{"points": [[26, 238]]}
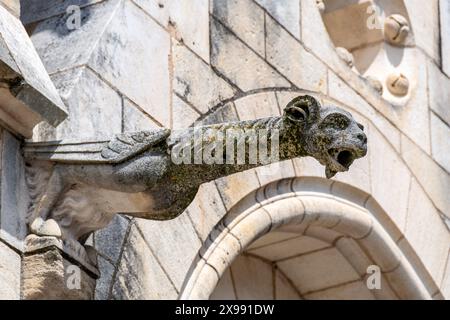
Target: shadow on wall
{"points": [[69, 15]]}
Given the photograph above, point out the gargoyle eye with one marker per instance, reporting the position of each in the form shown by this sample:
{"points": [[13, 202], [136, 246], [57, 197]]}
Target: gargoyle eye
{"points": [[336, 121]]}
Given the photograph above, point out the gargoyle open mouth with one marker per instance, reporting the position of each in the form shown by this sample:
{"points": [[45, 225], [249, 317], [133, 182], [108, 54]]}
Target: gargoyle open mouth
{"points": [[341, 161], [343, 157]]}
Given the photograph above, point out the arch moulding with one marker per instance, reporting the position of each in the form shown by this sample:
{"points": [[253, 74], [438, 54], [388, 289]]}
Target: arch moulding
{"points": [[312, 207]]}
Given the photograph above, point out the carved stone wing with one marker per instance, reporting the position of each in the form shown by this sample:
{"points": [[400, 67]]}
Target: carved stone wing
{"points": [[118, 149], [126, 145]]}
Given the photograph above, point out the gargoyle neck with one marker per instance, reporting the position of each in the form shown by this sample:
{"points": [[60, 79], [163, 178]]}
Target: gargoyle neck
{"points": [[292, 141]]}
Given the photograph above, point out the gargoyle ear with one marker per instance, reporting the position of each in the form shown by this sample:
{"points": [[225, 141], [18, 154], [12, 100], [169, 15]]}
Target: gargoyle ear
{"points": [[302, 110]]}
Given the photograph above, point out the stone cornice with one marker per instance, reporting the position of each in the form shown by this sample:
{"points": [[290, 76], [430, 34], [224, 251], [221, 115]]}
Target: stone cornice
{"points": [[27, 95]]}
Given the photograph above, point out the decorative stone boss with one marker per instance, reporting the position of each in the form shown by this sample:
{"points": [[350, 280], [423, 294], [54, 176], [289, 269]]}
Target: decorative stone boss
{"points": [[77, 187]]}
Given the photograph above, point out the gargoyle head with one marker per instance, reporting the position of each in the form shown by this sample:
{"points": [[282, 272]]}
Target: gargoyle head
{"points": [[329, 134]]}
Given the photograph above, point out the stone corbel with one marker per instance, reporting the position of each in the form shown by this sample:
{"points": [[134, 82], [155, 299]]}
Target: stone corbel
{"points": [[27, 94]]}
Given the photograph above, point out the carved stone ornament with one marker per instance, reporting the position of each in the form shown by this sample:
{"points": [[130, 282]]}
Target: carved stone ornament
{"points": [[76, 187]]}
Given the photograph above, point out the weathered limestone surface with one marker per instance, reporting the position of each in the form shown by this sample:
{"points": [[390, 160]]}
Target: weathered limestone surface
{"points": [[47, 275], [12, 5], [14, 194], [444, 9], [139, 275], [224, 289], [307, 72], [196, 82], [251, 278], [425, 24], [287, 13], [103, 283], [260, 105], [28, 95], [431, 240], [224, 113], [438, 84], [434, 179], [52, 38], [138, 79], [440, 141], [183, 115], [245, 19], [347, 25], [446, 281], [33, 11], [188, 22], [84, 121], [134, 119], [327, 270], [249, 71], [350, 291], [144, 76], [233, 188], [10, 263], [283, 288], [206, 210], [393, 171], [176, 260], [109, 241]]}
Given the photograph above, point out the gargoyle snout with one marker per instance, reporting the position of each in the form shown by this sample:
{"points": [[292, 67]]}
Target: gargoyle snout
{"points": [[361, 140], [362, 137]]}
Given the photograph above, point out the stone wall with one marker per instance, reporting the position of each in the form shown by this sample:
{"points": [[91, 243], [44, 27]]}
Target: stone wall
{"points": [[12, 215], [142, 64]]}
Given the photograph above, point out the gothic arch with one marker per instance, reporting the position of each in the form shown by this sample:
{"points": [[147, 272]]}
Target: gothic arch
{"points": [[314, 207]]}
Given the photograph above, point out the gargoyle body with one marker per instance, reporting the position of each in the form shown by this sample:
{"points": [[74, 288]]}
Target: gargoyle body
{"points": [[77, 188]]}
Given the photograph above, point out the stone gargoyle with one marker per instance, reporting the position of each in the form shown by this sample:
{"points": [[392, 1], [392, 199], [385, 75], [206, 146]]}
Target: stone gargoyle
{"points": [[76, 187]]}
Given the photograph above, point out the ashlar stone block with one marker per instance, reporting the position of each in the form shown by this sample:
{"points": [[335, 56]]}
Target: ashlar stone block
{"points": [[286, 12], [183, 115], [134, 119], [187, 21], [92, 113], [196, 82], [49, 274], [444, 9], [260, 105], [175, 243], [392, 172], [425, 25], [434, 179], [253, 278], [430, 239], [10, 264], [440, 142], [14, 192], [245, 19], [141, 74], [239, 63], [290, 58], [139, 275], [438, 87]]}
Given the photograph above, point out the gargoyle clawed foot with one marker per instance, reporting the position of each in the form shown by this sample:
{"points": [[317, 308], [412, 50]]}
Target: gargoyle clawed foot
{"points": [[43, 227]]}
